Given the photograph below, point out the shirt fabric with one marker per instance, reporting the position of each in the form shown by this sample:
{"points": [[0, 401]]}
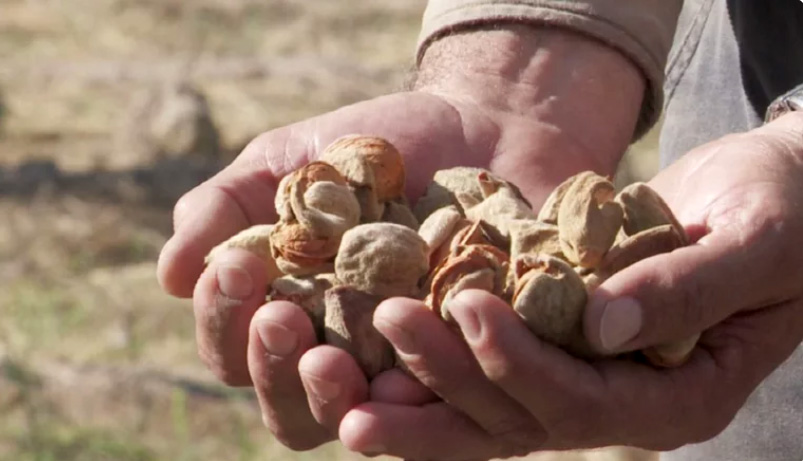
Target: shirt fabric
{"points": [[714, 65], [642, 30]]}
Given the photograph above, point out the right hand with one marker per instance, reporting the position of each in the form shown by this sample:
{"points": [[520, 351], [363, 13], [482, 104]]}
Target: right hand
{"points": [[503, 120]]}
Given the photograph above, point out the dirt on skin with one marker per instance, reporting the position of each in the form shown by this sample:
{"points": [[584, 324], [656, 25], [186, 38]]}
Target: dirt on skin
{"points": [[96, 362]]}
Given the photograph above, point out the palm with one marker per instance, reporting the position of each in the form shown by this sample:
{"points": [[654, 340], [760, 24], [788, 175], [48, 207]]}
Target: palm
{"points": [[433, 134], [740, 196]]}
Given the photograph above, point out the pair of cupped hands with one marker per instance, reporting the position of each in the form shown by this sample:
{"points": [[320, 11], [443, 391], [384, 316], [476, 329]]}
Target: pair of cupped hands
{"points": [[501, 391]]}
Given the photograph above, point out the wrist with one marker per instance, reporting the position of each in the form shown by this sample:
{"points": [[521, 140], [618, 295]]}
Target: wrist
{"points": [[588, 92]]}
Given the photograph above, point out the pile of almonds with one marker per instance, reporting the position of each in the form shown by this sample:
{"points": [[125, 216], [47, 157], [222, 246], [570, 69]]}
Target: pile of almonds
{"points": [[347, 239]]}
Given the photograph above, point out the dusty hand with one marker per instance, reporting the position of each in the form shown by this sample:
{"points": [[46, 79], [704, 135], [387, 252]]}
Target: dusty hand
{"points": [[739, 284], [229, 292], [492, 119]]}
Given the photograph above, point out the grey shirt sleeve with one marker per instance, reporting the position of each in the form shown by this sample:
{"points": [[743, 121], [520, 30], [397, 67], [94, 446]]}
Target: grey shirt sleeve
{"points": [[641, 29]]}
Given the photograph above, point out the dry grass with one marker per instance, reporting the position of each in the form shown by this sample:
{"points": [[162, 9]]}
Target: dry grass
{"points": [[96, 363]]}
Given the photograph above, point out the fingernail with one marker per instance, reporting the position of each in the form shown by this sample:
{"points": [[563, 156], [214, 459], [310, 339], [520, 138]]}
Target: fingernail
{"points": [[324, 391], [466, 317], [401, 339], [620, 322], [234, 282], [278, 340]]}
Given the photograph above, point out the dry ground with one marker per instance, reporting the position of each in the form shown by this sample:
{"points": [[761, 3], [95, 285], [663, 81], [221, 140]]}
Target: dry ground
{"points": [[96, 363]]}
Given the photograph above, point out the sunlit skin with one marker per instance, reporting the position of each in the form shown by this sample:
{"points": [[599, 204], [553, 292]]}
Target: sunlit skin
{"points": [[534, 119]]}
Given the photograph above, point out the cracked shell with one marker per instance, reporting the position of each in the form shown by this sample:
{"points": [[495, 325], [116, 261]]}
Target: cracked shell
{"points": [[501, 206], [456, 186], [550, 297], [321, 208], [439, 226], [644, 209], [588, 219], [384, 161], [534, 237], [645, 244], [482, 267]]}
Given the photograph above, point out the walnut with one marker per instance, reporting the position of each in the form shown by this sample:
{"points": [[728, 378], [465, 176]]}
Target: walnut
{"points": [[349, 326], [398, 211], [549, 210], [476, 232], [316, 208], [650, 228], [531, 236], [455, 186], [475, 266], [440, 226], [550, 297], [374, 169], [644, 209], [307, 292], [501, 205], [448, 236], [588, 219], [382, 259]]}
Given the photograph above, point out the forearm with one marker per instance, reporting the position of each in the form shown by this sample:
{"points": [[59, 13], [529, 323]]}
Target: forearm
{"points": [[580, 96]]}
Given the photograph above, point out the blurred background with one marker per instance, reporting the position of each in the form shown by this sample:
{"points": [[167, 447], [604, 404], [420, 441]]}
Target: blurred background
{"points": [[109, 111]]}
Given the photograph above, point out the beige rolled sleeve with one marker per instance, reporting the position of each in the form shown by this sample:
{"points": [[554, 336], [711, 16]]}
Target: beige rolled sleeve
{"points": [[641, 29]]}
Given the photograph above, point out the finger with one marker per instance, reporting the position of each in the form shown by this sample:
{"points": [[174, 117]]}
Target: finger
{"points": [[621, 402], [563, 392], [236, 198], [434, 431], [396, 386], [279, 335], [334, 384], [227, 295], [437, 357], [664, 409], [677, 295]]}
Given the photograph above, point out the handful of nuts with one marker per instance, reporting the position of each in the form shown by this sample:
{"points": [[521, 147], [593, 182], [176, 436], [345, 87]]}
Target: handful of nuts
{"points": [[347, 239]]}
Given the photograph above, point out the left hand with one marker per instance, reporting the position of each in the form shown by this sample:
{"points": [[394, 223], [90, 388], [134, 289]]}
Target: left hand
{"points": [[507, 393]]}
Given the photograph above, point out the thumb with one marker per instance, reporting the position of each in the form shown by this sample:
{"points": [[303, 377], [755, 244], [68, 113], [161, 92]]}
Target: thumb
{"points": [[675, 296]]}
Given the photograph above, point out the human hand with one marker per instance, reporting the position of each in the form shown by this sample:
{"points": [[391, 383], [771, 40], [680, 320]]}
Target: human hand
{"points": [[506, 393], [482, 99]]}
